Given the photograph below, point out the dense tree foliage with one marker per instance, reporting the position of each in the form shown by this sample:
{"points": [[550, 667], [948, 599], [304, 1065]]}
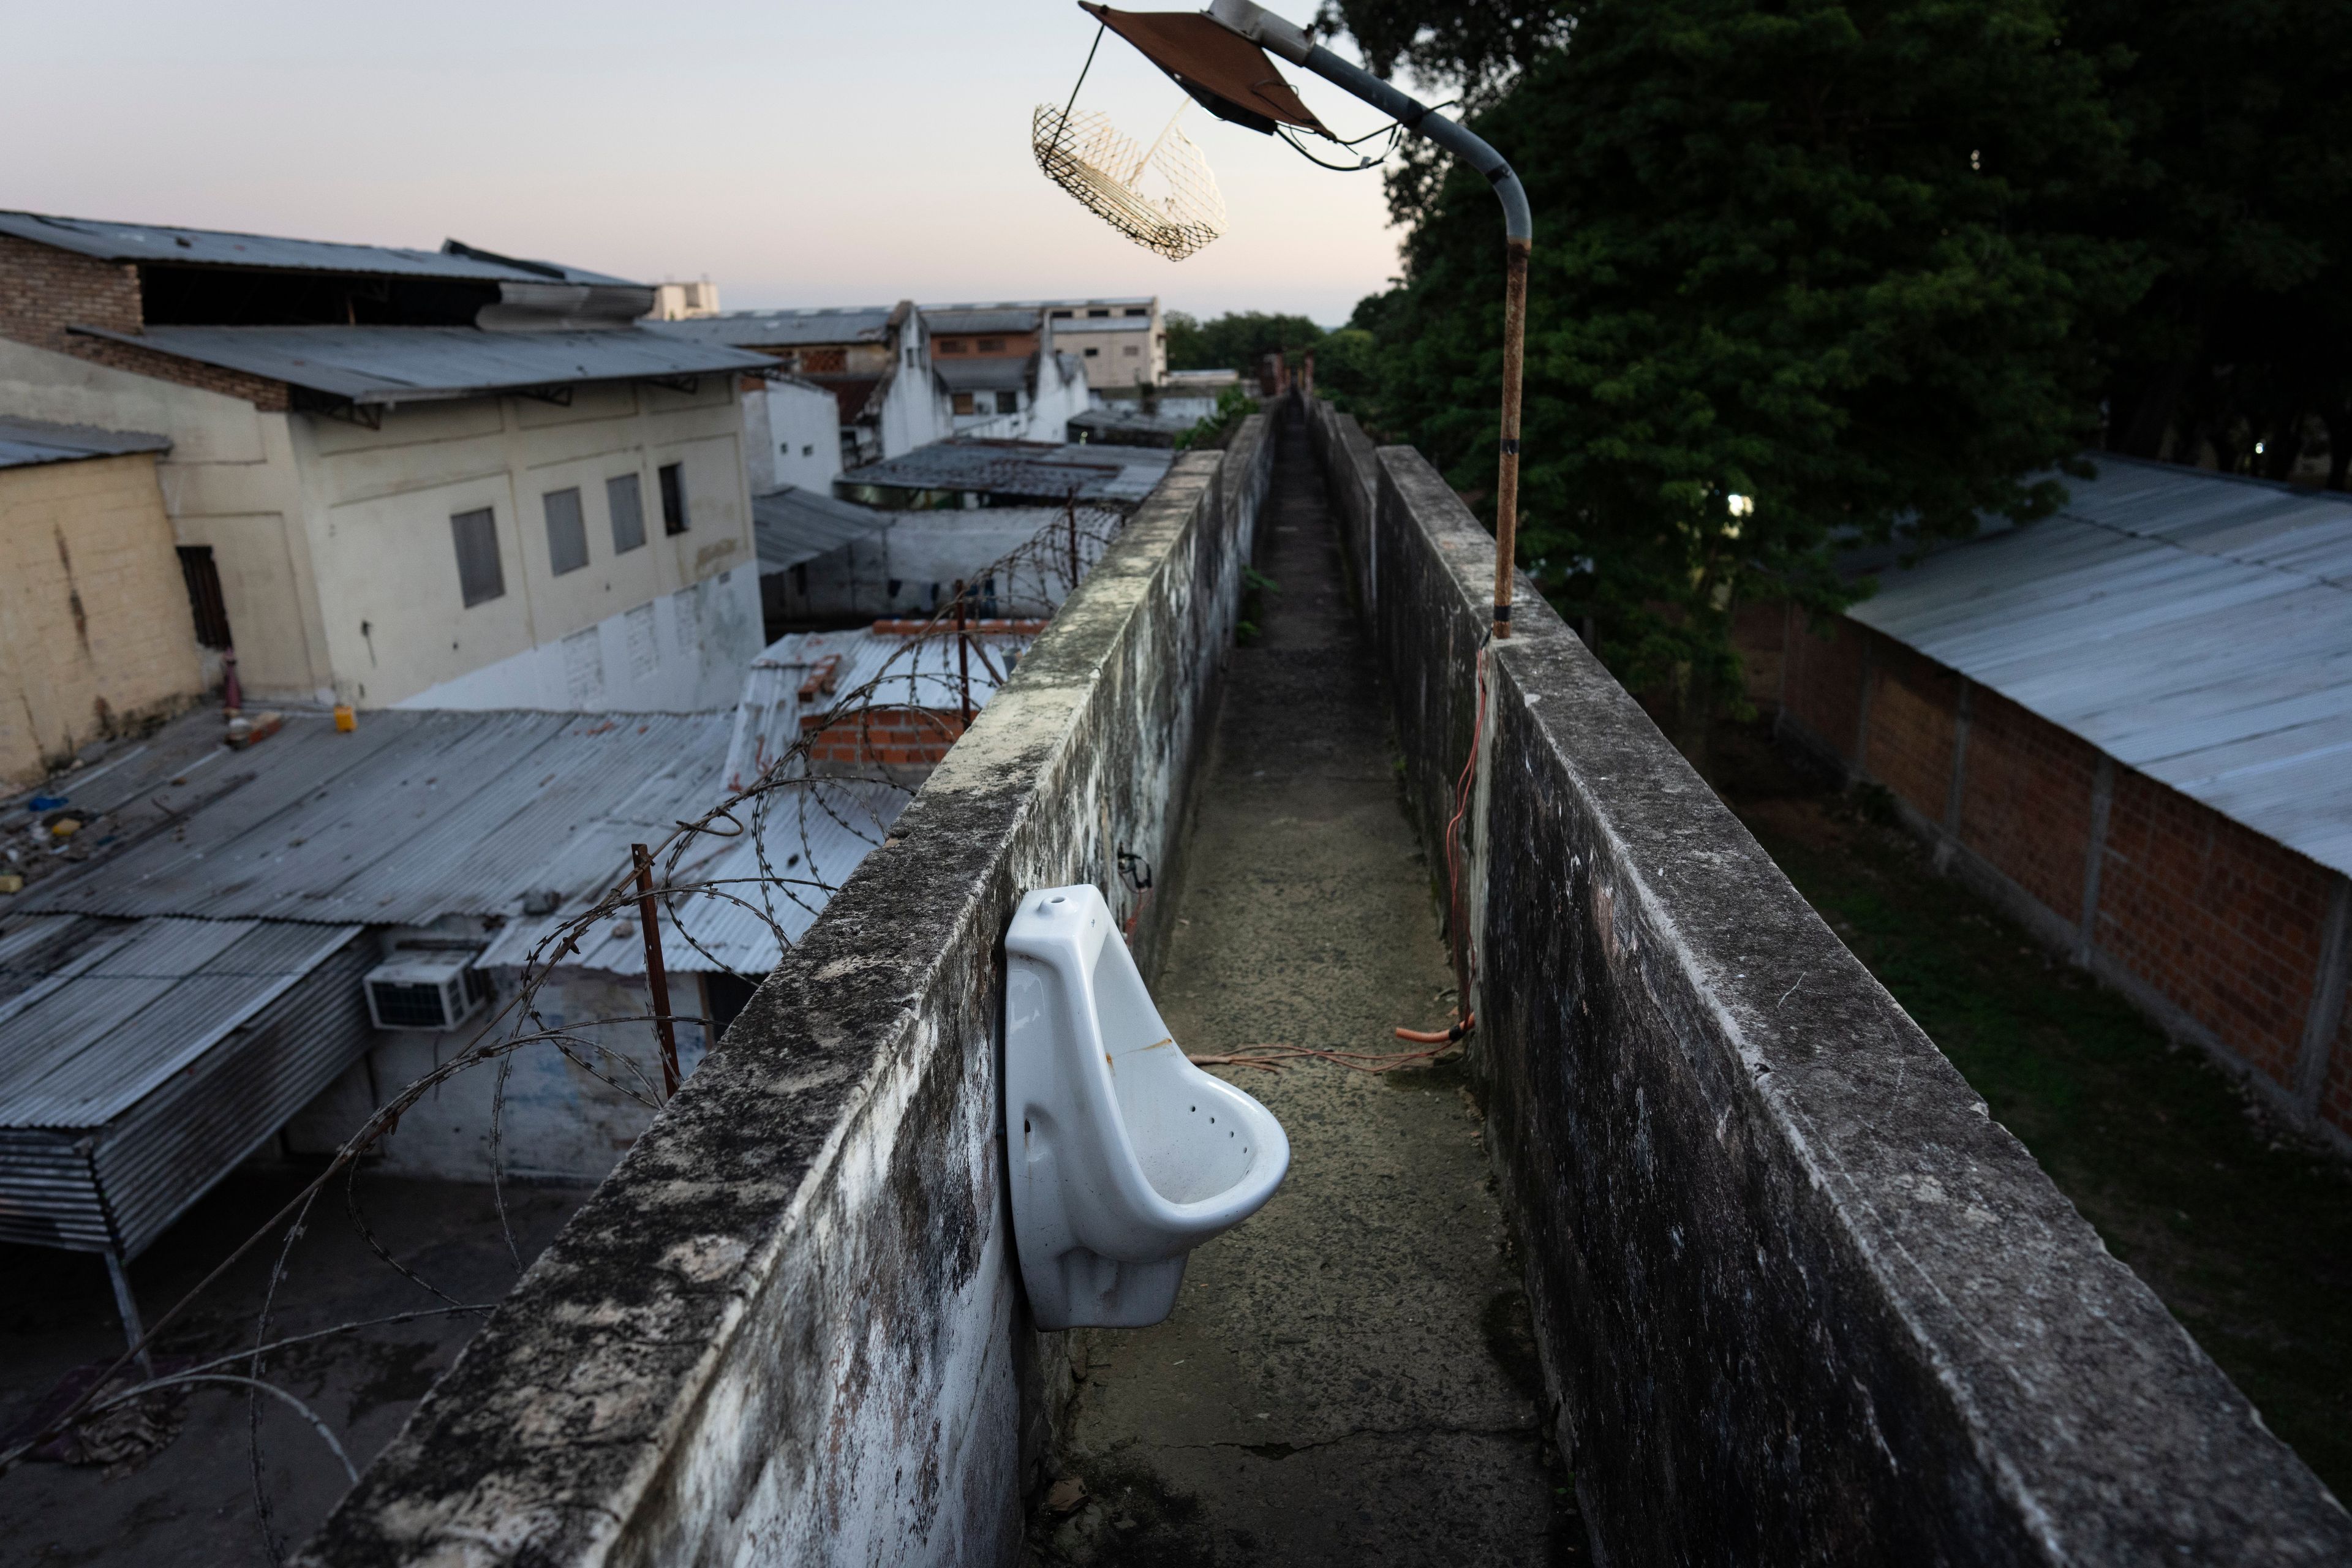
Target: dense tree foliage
{"points": [[2241, 130], [1860, 263], [1801, 270], [1235, 341]]}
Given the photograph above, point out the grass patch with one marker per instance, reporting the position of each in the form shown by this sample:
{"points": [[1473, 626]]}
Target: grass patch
{"points": [[2243, 1228]]}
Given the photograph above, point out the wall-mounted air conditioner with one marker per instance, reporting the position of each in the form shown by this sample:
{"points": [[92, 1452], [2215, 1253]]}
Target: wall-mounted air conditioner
{"points": [[425, 993]]}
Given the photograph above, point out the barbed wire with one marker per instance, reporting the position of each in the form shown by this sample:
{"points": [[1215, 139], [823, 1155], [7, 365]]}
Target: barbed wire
{"points": [[847, 758]]}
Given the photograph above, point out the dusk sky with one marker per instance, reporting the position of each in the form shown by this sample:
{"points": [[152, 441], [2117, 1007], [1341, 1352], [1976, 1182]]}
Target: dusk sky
{"points": [[798, 153]]}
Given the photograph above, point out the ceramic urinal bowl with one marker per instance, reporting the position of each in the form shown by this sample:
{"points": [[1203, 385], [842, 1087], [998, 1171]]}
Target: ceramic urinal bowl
{"points": [[1124, 1155]]}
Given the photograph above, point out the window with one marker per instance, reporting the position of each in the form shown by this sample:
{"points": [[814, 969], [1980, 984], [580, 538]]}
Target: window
{"points": [[1008, 402], [1064, 315], [626, 501], [1137, 311], [673, 494], [1130, 350], [1094, 353], [1092, 314], [205, 595], [480, 577], [567, 530], [963, 403], [951, 345], [992, 345]]}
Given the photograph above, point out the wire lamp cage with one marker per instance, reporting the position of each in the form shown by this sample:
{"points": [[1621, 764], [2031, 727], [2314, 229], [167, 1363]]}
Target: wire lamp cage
{"points": [[1162, 197]]}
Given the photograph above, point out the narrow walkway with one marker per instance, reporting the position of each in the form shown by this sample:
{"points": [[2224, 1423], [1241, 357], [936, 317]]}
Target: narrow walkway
{"points": [[1348, 1378]]}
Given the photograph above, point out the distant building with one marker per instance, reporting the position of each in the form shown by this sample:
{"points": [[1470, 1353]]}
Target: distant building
{"points": [[95, 635], [434, 478], [874, 360], [1003, 378], [685, 302], [1121, 342]]}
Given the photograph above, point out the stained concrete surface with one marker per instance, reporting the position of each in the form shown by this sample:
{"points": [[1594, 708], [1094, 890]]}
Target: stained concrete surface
{"points": [[1348, 1377], [192, 1502]]}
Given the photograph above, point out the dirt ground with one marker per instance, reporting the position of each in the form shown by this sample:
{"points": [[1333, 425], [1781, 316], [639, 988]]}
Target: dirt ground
{"points": [[2243, 1228], [191, 1501]]}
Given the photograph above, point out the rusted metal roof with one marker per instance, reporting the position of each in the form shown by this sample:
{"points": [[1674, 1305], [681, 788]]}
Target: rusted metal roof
{"points": [[414, 365], [25, 443], [2193, 625], [218, 247]]}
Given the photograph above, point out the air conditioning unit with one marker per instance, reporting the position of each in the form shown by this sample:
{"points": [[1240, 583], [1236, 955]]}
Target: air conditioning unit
{"points": [[435, 992]]}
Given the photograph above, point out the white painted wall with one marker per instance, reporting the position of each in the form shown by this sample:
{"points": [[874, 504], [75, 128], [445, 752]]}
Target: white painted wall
{"points": [[791, 436], [556, 1120], [333, 541], [1061, 392], [915, 411], [683, 653]]}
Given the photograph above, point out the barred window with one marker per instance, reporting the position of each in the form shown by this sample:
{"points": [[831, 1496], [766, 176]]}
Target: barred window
{"points": [[673, 497], [625, 501], [567, 530], [479, 576]]}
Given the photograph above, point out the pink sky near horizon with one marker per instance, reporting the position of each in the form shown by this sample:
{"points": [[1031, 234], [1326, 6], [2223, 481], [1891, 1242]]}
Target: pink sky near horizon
{"points": [[797, 153]]}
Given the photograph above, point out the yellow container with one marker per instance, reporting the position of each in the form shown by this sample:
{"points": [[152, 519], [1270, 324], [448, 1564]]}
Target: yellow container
{"points": [[345, 720]]}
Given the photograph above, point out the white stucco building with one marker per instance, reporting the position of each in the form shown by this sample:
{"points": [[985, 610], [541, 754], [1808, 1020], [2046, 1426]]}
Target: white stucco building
{"points": [[422, 478]]}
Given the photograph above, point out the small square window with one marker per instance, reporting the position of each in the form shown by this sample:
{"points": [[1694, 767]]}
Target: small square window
{"points": [[1064, 315], [963, 403], [992, 345], [1094, 353], [1137, 311], [673, 496], [479, 576], [951, 345], [1095, 314], [1008, 402], [626, 500], [1130, 350], [567, 530]]}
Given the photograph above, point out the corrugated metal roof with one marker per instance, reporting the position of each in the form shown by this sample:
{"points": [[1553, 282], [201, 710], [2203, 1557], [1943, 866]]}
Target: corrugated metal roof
{"points": [[983, 318], [2193, 625], [418, 814], [409, 364], [84, 1043], [1036, 469], [26, 442], [994, 374], [785, 329], [220, 247], [792, 525]]}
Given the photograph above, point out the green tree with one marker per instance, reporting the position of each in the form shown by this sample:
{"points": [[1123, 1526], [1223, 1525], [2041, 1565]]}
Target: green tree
{"points": [[1235, 341], [2242, 138], [1802, 270]]}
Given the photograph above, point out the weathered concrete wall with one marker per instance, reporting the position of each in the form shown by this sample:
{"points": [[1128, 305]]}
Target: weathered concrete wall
{"points": [[1800, 1298], [788, 1328]]}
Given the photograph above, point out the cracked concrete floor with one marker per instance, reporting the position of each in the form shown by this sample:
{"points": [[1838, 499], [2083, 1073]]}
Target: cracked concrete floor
{"points": [[1348, 1377]]}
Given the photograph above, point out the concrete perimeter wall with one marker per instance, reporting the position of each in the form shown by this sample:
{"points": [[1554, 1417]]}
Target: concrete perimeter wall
{"points": [[1799, 1298], [789, 1329]]}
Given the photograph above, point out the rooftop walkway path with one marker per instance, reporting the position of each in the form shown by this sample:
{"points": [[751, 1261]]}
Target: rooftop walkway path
{"points": [[1347, 1379]]}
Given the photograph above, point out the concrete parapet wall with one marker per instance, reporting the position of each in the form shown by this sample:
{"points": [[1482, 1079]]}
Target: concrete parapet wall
{"points": [[788, 1328], [1799, 1299]]}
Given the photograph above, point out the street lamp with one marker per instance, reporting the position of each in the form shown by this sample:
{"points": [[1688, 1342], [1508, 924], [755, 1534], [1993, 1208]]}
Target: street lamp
{"points": [[1218, 56]]}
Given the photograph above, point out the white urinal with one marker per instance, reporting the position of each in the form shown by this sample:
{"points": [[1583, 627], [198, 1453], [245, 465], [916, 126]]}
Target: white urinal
{"points": [[1124, 1155]]}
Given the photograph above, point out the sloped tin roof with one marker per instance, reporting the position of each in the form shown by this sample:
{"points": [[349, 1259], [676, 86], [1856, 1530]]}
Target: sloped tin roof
{"points": [[413, 365], [2193, 625], [149, 242], [792, 525], [27, 443]]}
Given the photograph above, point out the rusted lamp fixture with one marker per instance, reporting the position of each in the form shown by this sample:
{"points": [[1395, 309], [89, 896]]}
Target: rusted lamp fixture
{"points": [[1218, 57]]}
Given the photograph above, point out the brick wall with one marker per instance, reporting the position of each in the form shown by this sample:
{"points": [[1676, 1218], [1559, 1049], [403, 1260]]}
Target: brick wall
{"points": [[94, 613], [2225, 922], [2025, 801], [43, 290], [896, 737], [2215, 923]]}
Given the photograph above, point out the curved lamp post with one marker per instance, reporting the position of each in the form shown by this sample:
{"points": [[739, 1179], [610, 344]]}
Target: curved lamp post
{"points": [[1240, 84]]}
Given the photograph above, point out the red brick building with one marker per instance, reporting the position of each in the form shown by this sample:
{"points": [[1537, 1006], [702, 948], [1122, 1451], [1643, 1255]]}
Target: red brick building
{"points": [[2132, 724]]}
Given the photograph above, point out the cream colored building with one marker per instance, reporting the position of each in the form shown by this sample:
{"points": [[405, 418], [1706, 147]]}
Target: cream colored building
{"points": [[95, 633], [1121, 342], [506, 495]]}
